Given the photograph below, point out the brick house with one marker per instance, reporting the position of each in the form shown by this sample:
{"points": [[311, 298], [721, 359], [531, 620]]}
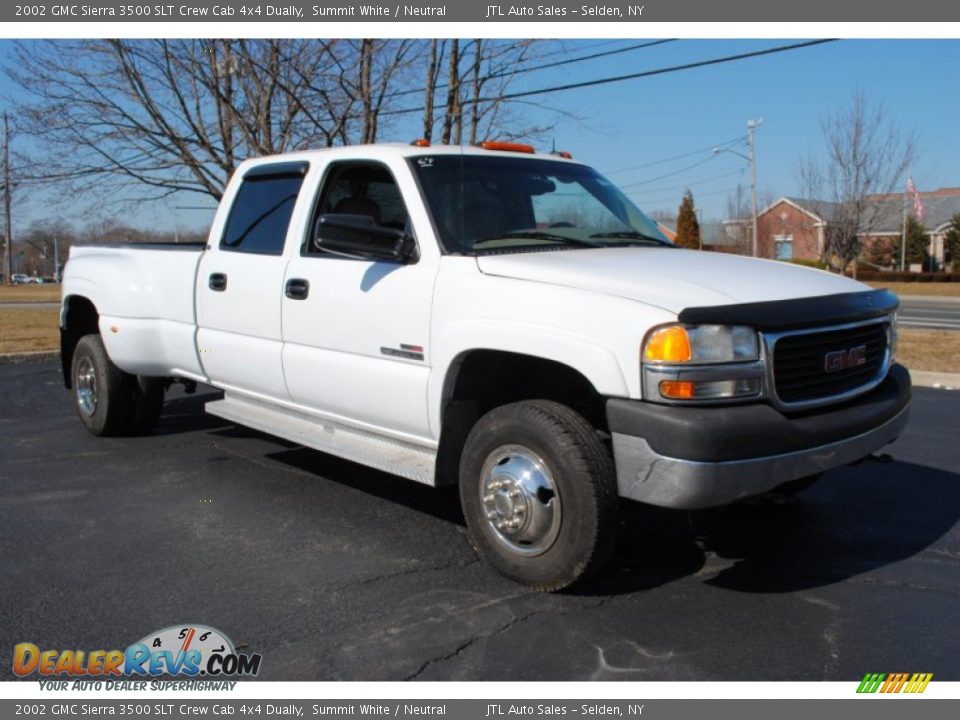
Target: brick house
{"points": [[796, 228]]}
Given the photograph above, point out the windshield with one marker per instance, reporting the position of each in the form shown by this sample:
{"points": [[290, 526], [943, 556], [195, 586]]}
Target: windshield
{"points": [[484, 205]]}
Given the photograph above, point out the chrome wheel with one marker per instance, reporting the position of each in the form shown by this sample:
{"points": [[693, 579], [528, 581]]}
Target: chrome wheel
{"points": [[86, 384], [520, 500]]}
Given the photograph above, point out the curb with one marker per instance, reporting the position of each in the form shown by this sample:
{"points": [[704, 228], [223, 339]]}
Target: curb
{"points": [[26, 357], [939, 380], [945, 299]]}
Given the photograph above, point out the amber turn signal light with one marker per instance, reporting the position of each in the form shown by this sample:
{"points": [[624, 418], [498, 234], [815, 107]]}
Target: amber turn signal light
{"points": [[677, 389], [669, 344]]}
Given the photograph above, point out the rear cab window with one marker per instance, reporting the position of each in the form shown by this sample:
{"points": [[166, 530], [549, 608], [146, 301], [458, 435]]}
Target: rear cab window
{"points": [[260, 214]]}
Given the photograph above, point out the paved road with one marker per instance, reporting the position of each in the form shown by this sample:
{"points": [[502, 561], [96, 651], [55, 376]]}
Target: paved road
{"points": [[333, 571], [932, 312]]}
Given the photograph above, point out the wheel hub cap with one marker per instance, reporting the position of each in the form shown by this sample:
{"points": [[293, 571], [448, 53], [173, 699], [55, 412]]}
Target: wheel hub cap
{"points": [[520, 500], [86, 387]]}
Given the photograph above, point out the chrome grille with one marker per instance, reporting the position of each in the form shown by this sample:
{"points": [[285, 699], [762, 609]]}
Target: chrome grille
{"points": [[800, 361]]}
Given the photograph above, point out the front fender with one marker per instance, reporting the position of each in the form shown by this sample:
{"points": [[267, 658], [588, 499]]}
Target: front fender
{"points": [[596, 363]]}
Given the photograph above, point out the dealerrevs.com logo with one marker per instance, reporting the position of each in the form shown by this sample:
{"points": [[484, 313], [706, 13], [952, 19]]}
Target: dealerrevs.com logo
{"points": [[182, 650]]}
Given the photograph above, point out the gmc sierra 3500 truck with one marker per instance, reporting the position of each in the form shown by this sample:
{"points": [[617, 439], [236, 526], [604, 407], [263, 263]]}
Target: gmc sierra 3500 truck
{"points": [[497, 318]]}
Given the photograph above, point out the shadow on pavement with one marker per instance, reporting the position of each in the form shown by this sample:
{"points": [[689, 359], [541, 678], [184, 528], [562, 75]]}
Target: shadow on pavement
{"points": [[853, 521], [856, 519]]}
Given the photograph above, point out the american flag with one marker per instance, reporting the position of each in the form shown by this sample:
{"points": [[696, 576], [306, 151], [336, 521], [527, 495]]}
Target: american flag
{"points": [[917, 202]]}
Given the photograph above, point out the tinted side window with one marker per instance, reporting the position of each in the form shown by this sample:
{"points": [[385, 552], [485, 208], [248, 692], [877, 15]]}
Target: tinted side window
{"points": [[261, 213]]}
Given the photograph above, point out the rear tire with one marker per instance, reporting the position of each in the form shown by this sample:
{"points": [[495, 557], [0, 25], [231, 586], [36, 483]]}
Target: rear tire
{"points": [[103, 393], [147, 403], [539, 494]]}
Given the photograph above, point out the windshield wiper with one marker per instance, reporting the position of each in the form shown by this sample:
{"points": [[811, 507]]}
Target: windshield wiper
{"points": [[541, 235], [632, 235]]}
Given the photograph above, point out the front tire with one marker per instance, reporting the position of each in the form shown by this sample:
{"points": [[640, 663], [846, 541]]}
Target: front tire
{"points": [[538, 491]]}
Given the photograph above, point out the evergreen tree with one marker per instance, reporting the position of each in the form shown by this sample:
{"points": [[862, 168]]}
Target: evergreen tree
{"points": [[918, 244], [951, 240], [688, 229]]}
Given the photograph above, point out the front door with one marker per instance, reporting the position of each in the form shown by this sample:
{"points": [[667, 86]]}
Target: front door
{"points": [[356, 332]]}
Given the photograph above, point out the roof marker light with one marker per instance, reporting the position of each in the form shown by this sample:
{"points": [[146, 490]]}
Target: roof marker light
{"points": [[507, 146]]}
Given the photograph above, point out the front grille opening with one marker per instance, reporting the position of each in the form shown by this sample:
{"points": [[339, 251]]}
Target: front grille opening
{"points": [[800, 362]]}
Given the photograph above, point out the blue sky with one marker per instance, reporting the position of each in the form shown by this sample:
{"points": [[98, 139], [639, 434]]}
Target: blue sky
{"points": [[646, 120]]}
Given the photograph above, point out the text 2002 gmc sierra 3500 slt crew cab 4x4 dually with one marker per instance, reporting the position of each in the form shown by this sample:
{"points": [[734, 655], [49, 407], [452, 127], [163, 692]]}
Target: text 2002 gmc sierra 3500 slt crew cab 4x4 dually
{"points": [[502, 319]]}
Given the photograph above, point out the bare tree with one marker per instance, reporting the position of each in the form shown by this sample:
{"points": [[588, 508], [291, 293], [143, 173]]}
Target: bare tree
{"points": [[165, 116], [434, 62], [867, 154], [382, 66], [143, 119], [452, 114], [477, 105]]}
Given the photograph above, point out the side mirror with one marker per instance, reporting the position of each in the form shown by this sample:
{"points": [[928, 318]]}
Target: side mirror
{"points": [[359, 236]]}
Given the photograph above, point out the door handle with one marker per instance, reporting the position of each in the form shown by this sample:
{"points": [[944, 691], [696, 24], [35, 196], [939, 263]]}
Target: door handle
{"points": [[297, 289], [218, 282]]}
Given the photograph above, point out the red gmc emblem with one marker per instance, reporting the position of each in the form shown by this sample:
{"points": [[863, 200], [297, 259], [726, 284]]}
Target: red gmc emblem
{"points": [[842, 359]]}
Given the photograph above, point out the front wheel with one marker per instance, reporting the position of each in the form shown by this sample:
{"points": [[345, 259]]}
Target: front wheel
{"points": [[538, 491]]}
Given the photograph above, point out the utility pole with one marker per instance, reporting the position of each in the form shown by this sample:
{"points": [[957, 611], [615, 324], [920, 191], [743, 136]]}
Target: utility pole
{"points": [[700, 229], [752, 125], [8, 226]]}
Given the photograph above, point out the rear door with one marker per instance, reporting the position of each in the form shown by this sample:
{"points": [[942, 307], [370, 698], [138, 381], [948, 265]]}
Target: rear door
{"points": [[240, 283]]}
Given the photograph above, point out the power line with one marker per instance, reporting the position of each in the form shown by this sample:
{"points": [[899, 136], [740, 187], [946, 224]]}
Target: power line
{"points": [[708, 148], [669, 174], [695, 183], [711, 193], [631, 76], [545, 66]]}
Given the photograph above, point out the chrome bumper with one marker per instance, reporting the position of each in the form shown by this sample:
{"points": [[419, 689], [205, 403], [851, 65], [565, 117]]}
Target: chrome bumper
{"points": [[648, 477]]}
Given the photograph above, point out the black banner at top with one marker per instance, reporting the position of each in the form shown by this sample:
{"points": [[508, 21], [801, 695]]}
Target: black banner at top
{"points": [[638, 11]]}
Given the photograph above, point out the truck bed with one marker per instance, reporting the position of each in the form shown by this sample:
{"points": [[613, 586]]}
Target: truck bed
{"points": [[145, 296]]}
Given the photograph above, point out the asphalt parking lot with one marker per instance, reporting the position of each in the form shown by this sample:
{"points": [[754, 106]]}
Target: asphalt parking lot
{"points": [[335, 572]]}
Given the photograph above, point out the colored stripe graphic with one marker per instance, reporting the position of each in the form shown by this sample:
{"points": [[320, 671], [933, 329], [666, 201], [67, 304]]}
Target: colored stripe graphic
{"points": [[871, 682], [894, 683]]}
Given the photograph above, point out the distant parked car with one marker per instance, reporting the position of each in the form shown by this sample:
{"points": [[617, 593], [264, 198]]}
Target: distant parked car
{"points": [[21, 279]]}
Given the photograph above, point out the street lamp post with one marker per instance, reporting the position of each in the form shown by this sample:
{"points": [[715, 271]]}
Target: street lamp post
{"points": [[752, 126]]}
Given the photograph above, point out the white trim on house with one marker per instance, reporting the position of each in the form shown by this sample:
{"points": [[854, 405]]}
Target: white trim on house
{"points": [[791, 203]]}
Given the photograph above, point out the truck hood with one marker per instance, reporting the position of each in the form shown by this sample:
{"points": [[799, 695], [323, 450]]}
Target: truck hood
{"points": [[669, 278]]}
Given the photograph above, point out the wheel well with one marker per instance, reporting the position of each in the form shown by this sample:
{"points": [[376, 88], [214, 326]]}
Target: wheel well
{"points": [[80, 318], [480, 380]]}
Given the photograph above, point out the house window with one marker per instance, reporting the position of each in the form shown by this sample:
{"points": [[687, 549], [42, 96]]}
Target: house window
{"points": [[783, 247]]}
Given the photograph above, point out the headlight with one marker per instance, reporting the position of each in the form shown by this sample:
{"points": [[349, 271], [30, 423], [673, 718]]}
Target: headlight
{"points": [[702, 363], [701, 344]]}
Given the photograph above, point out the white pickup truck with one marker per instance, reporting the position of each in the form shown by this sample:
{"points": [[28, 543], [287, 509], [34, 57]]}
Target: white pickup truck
{"points": [[497, 318]]}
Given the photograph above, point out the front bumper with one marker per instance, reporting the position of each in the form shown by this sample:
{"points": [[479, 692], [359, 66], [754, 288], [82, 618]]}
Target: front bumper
{"points": [[696, 457]]}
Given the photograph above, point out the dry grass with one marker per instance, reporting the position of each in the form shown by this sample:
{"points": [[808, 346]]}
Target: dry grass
{"points": [[29, 329], [933, 350], [936, 289], [29, 293]]}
